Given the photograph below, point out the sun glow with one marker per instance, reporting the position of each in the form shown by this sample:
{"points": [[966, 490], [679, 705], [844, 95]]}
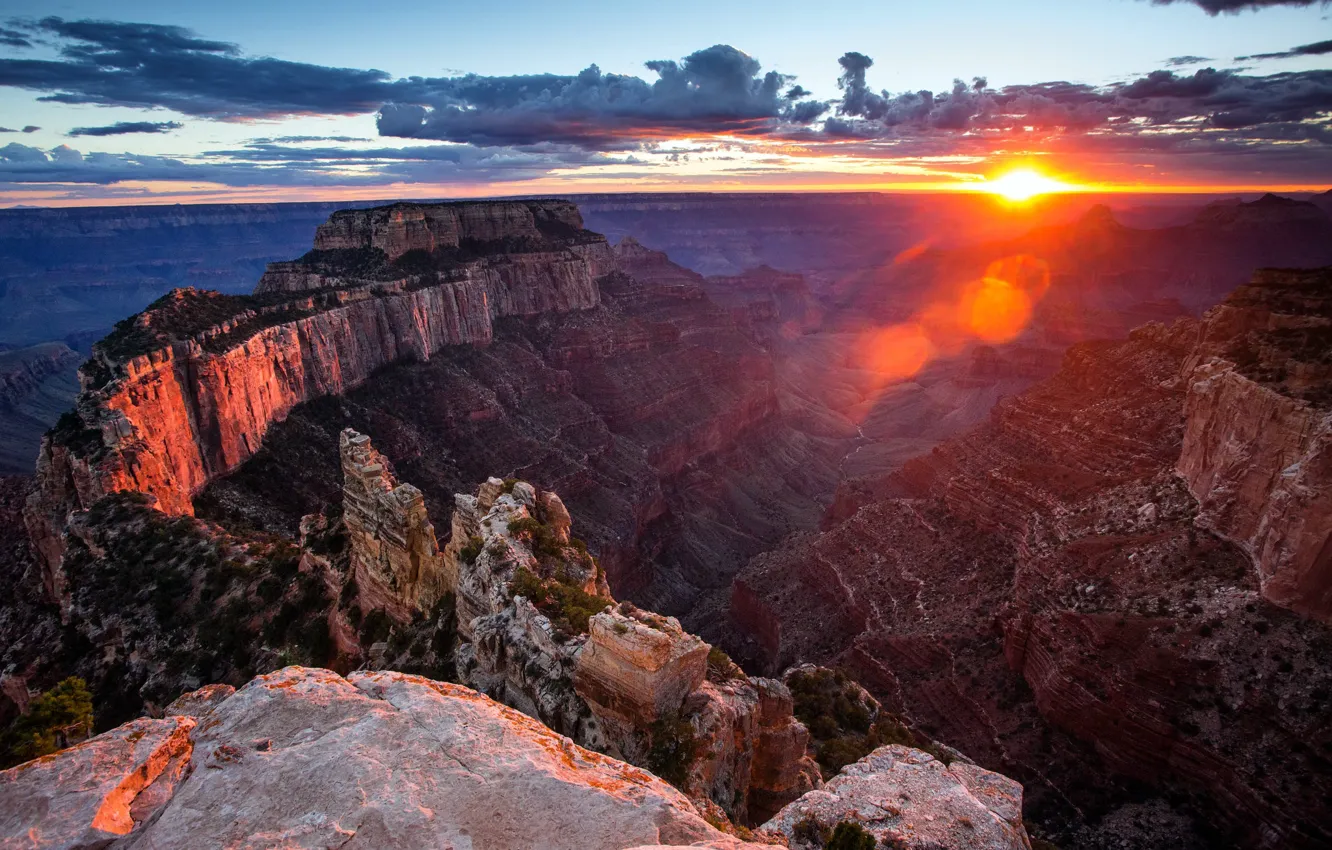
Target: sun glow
{"points": [[1024, 184]]}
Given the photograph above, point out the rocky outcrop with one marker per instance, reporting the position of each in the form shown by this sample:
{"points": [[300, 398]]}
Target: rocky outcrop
{"points": [[908, 799], [96, 792], [542, 634], [186, 391], [1257, 449], [305, 758], [638, 666], [394, 555]]}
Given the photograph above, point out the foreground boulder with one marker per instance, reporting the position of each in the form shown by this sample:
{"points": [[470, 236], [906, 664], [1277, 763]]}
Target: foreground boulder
{"points": [[908, 799], [304, 758]]}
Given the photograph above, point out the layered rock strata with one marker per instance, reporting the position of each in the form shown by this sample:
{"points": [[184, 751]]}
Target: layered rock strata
{"points": [[393, 545], [186, 391], [1257, 449], [1058, 542], [542, 634], [306, 758]]}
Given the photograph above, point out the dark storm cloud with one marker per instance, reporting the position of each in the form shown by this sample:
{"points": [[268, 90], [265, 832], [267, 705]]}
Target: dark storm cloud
{"points": [[1318, 48], [718, 90], [110, 63], [1216, 7], [122, 128]]}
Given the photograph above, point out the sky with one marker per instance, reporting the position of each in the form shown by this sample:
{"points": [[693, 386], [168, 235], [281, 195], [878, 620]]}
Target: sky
{"points": [[156, 102]]}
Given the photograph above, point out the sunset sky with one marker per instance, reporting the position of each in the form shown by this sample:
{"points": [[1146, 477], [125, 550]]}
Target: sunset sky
{"points": [[134, 102]]}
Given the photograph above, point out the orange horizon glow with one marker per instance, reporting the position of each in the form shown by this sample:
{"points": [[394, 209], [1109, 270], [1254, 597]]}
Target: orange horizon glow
{"points": [[204, 194]]}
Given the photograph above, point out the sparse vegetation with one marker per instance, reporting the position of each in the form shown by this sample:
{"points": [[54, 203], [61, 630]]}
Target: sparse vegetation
{"points": [[674, 748], [568, 606], [850, 835], [57, 719], [471, 550], [845, 728]]}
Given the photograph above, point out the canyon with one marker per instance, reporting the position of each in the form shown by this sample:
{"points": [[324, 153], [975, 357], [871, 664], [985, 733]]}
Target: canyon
{"points": [[1129, 540], [1114, 589]]}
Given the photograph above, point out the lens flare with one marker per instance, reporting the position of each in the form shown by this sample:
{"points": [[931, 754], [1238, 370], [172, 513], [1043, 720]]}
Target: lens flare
{"points": [[897, 351]]}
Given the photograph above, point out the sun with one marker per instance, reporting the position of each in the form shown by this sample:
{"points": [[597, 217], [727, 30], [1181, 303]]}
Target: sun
{"points": [[1023, 184]]}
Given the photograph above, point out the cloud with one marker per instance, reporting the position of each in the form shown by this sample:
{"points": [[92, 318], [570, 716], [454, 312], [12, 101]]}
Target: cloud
{"points": [[1180, 61], [1216, 7], [122, 128], [31, 128], [109, 63], [1318, 48], [14, 38], [716, 91], [278, 165]]}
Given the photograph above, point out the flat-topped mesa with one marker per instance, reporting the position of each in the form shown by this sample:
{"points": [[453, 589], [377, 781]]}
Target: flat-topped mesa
{"points": [[394, 554], [184, 392], [499, 239], [1257, 449], [541, 633]]}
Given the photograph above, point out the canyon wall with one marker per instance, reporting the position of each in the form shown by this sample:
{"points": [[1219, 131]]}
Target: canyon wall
{"points": [[1142, 540], [1257, 450], [186, 391]]}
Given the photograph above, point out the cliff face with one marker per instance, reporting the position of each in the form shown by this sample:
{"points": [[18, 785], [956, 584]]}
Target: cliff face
{"points": [[1257, 449], [1059, 542], [186, 391]]}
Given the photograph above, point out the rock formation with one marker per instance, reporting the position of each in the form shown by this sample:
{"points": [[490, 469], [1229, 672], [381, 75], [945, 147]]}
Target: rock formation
{"points": [[186, 391], [305, 758], [1257, 450], [908, 799], [542, 634], [395, 557]]}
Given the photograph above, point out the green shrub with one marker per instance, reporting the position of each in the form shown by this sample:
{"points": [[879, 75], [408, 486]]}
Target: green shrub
{"points": [[674, 747], [850, 835], [472, 550], [58, 718]]}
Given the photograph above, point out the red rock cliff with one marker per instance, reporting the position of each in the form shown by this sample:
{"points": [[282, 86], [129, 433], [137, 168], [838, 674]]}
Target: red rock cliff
{"points": [[1257, 449], [185, 392]]}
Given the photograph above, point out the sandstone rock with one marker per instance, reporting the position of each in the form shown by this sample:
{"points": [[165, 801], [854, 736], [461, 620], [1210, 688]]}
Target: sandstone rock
{"points": [[92, 793], [638, 666], [306, 758], [201, 702], [906, 798], [393, 543]]}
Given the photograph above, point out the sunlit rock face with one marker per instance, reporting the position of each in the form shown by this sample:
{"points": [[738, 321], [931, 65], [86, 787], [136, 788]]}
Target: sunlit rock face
{"points": [[305, 758], [639, 666], [186, 391], [1258, 443], [393, 544]]}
